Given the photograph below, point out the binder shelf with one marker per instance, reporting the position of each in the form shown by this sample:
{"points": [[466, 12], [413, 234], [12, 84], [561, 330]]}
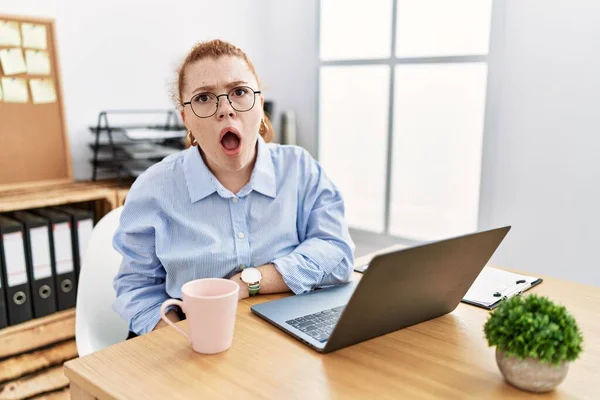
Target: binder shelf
{"points": [[126, 147], [35, 341]]}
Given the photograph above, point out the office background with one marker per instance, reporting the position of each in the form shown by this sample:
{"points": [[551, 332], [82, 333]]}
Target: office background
{"points": [[538, 167]]}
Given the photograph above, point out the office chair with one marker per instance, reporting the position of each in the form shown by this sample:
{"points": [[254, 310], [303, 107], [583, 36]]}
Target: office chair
{"points": [[96, 325]]}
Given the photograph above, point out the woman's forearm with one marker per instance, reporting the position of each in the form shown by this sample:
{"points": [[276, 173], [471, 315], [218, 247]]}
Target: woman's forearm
{"points": [[272, 281]]}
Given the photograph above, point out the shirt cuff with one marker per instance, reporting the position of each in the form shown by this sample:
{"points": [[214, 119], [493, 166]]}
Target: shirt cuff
{"points": [[304, 268], [295, 278], [147, 320]]}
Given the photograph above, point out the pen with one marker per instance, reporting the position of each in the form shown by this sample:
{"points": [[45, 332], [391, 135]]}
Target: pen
{"points": [[514, 292]]}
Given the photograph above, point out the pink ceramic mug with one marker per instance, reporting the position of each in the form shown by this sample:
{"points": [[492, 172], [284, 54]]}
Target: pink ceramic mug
{"points": [[210, 307]]}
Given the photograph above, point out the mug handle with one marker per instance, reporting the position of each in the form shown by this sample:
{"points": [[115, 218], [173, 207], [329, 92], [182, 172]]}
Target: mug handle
{"points": [[163, 308]]}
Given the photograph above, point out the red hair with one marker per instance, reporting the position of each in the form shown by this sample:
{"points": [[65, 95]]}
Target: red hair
{"points": [[215, 49]]}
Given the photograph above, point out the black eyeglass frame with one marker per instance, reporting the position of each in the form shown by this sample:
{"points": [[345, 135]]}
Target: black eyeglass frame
{"points": [[218, 100]]}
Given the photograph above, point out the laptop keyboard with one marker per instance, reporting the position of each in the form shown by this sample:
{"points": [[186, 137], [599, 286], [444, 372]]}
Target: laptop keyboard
{"points": [[318, 325]]}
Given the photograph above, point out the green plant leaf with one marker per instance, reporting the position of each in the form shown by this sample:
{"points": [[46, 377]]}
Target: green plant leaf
{"points": [[535, 327]]}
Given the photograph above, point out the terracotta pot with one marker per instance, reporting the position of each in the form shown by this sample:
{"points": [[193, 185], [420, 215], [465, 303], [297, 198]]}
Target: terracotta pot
{"points": [[530, 374]]}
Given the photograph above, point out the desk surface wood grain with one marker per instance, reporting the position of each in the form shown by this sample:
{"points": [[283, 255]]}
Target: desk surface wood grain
{"points": [[447, 357]]}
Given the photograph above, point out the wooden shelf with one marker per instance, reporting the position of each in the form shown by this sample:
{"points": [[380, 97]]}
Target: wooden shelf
{"points": [[22, 199], [36, 333], [32, 353], [36, 322], [121, 194]]}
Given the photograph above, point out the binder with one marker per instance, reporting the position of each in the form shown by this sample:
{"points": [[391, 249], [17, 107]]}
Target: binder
{"points": [[494, 285], [82, 223], [14, 271], [61, 257], [3, 311], [39, 265]]}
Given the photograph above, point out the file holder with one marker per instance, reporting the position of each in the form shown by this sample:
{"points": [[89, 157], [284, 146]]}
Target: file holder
{"points": [[61, 250], [82, 224], [39, 266], [14, 271]]}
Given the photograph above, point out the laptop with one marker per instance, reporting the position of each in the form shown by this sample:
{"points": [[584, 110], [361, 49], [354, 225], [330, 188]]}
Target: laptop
{"points": [[397, 290]]}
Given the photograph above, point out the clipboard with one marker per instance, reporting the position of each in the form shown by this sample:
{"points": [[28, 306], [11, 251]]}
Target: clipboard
{"points": [[494, 285]]}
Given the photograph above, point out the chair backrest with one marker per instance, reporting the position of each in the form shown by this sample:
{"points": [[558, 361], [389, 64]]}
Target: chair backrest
{"points": [[96, 325]]}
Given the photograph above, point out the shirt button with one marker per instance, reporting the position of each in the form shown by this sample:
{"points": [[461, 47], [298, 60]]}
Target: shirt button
{"points": [[241, 235], [235, 200]]}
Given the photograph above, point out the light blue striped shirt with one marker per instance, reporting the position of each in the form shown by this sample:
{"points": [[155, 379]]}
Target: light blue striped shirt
{"points": [[179, 223]]}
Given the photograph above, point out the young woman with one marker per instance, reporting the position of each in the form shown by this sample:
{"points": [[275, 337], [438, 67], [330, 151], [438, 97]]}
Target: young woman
{"points": [[231, 205]]}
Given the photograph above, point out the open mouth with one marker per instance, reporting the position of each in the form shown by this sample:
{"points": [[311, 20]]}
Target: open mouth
{"points": [[231, 140]]}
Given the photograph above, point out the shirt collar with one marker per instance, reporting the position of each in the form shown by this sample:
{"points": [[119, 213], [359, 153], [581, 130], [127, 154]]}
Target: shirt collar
{"points": [[198, 178], [202, 183], [263, 176]]}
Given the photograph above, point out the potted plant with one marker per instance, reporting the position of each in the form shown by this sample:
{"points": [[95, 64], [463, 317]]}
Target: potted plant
{"points": [[535, 340]]}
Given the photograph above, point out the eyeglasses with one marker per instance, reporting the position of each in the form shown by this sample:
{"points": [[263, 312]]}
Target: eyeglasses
{"points": [[206, 104]]}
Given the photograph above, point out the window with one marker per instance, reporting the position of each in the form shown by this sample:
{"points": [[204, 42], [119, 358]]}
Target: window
{"points": [[402, 87]]}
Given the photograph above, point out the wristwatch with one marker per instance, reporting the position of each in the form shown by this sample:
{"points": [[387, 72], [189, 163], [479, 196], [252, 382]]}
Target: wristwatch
{"points": [[252, 277]]}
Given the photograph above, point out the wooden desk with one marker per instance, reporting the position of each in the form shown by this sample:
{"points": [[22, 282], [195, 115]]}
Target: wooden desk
{"points": [[446, 358]]}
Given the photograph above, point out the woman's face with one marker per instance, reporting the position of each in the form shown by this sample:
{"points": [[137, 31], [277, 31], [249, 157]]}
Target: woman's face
{"points": [[227, 138]]}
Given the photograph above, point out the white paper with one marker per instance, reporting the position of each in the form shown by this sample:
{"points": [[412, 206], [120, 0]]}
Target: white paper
{"points": [[144, 133], [0, 92], [63, 249], [15, 90], [42, 91], [147, 150], [9, 33], [34, 36], [14, 255], [493, 280], [84, 232], [38, 62], [12, 61], [40, 252]]}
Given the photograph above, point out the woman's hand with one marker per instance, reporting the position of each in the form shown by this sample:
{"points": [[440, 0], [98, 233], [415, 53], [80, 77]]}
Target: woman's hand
{"points": [[172, 315]]}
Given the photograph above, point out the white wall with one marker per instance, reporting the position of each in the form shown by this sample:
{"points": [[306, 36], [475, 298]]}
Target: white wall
{"points": [[541, 167], [541, 170], [290, 74], [124, 54], [541, 156]]}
